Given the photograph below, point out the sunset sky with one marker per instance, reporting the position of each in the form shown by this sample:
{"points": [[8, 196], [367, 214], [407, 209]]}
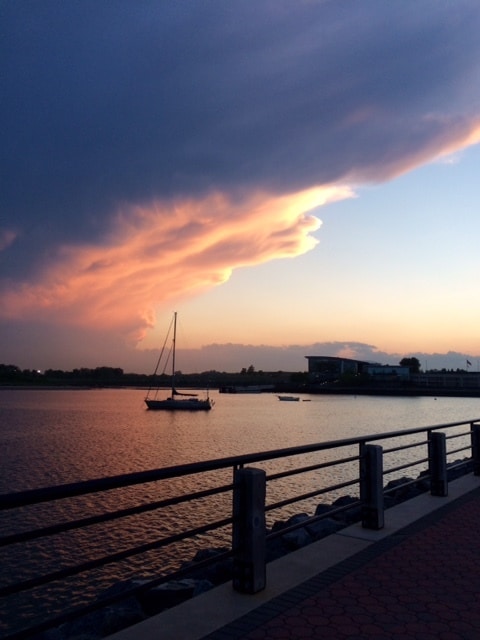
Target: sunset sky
{"points": [[293, 177]]}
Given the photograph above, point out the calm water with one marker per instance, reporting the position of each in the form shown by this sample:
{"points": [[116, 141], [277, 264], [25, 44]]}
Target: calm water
{"points": [[55, 436], [52, 437]]}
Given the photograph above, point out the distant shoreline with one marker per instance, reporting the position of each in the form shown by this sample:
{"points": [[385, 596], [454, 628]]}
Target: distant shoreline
{"points": [[347, 391], [414, 392]]}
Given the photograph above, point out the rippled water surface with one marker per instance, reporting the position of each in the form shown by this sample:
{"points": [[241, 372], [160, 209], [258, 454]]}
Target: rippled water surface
{"points": [[57, 436], [50, 437]]}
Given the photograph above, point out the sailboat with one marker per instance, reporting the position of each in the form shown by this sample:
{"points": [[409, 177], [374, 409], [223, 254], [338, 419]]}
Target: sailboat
{"points": [[177, 401]]}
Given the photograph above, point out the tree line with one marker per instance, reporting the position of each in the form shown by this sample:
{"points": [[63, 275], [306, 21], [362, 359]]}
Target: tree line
{"points": [[115, 376], [105, 376]]}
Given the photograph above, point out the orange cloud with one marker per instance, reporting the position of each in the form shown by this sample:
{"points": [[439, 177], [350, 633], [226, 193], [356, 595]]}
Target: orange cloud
{"points": [[163, 252]]}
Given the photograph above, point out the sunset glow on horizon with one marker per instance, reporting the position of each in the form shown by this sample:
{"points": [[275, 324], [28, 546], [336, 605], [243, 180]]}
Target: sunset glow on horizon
{"points": [[149, 261]]}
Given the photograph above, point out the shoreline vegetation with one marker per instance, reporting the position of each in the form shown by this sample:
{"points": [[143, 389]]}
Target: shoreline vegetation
{"points": [[248, 380]]}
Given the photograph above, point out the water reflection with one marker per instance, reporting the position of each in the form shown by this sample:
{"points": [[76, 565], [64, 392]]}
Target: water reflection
{"points": [[55, 437]]}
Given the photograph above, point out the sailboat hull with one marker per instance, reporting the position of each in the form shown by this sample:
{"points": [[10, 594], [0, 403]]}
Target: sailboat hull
{"points": [[169, 404]]}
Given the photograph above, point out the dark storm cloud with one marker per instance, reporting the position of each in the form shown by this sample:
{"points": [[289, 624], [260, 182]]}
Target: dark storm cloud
{"points": [[108, 102], [150, 148]]}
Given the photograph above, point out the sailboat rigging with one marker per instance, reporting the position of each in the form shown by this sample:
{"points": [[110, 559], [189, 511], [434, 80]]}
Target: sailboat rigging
{"points": [[189, 401]]}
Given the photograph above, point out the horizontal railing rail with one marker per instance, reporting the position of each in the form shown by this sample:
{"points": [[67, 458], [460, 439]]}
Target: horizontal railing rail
{"points": [[357, 464]]}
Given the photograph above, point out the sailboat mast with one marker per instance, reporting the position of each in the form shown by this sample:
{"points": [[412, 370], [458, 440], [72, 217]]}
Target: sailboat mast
{"points": [[173, 354]]}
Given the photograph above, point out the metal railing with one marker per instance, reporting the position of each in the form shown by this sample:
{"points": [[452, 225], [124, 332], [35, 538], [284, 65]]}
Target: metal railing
{"points": [[245, 497]]}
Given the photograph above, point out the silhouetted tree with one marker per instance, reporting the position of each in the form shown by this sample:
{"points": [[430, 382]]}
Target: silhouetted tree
{"points": [[412, 363]]}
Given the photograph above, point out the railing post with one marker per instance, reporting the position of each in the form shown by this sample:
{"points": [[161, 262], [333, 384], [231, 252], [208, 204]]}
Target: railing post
{"points": [[249, 532], [437, 463], [371, 486], [475, 438]]}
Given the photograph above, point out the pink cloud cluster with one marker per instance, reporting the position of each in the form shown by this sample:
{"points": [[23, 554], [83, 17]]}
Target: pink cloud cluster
{"points": [[164, 252]]}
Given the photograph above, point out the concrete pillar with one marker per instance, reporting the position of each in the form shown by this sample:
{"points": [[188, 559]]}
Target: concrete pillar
{"points": [[475, 438], [437, 464], [371, 486], [249, 531]]}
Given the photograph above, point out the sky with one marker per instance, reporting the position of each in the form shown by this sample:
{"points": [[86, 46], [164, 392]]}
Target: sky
{"points": [[292, 177]]}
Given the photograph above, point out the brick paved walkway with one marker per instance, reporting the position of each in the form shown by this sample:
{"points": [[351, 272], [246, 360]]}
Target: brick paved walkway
{"points": [[422, 583]]}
